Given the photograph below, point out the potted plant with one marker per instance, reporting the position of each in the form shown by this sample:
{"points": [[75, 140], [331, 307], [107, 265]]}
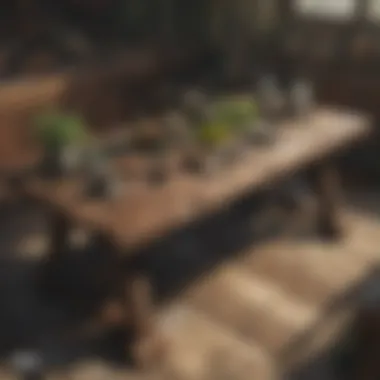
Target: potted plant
{"points": [[218, 127], [63, 137]]}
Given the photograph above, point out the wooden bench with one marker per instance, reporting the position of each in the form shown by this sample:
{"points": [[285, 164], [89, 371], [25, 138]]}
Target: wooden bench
{"points": [[143, 213]]}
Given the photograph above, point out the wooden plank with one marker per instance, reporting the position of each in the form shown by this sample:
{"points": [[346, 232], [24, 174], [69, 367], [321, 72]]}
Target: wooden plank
{"points": [[144, 212], [257, 310], [200, 348], [315, 271], [282, 289]]}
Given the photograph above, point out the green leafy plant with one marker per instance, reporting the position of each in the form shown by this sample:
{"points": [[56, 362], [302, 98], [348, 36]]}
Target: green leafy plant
{"points": [[226, 118], [236, 113], [56, 129], [213, 133]]}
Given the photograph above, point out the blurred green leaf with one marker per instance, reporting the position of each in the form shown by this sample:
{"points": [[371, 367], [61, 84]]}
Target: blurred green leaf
{"points": [[213, 133], [235, 113], [226, 118], [55, 129]]}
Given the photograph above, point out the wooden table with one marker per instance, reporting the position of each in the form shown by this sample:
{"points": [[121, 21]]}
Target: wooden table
{"points": [[145, 213]]}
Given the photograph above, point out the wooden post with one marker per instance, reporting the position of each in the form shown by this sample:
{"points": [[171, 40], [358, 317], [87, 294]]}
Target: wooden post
{"points": [[367, 346], [325, 181], [139, 311], [59, 227], [59, 232], [137, 308]]}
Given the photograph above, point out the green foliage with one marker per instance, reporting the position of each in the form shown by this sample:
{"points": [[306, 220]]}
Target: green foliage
{"points": [[56, 129], [236, 113], [213, 133], [225, 120]]}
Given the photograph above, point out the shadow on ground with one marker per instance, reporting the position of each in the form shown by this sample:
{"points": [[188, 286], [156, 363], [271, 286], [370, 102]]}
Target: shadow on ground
{"points": [[354, 346], [31, 319], [78, 286]]}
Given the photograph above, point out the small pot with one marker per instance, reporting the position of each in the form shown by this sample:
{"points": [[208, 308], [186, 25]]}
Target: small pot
{"points": [[101, 181], [62, 161], [103, 187], [220, 157], [71, 159]]}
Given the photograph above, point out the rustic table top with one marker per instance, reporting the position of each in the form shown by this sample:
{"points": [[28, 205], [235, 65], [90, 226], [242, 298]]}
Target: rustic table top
{"points": [[145, 212]]}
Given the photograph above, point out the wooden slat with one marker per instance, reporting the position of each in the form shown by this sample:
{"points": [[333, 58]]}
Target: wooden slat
{"points": [[200, 348], [262, 298], [317, 271], [257, 310], [144, 213]]}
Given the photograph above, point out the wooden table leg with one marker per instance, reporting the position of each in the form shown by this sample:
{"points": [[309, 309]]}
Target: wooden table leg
{"points": [[137, 308], [326, 183], [59, 233], [365, 360], [50, 276], [147, 346]]}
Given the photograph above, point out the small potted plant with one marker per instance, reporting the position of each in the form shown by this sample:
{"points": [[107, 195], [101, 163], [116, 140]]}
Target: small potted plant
{"points": [[63, 137], [217, 128], [242, 114]]}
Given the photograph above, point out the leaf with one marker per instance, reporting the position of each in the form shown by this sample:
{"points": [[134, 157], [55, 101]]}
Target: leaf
{"points": [[236, 113], [55, 129], [214, 133]]}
